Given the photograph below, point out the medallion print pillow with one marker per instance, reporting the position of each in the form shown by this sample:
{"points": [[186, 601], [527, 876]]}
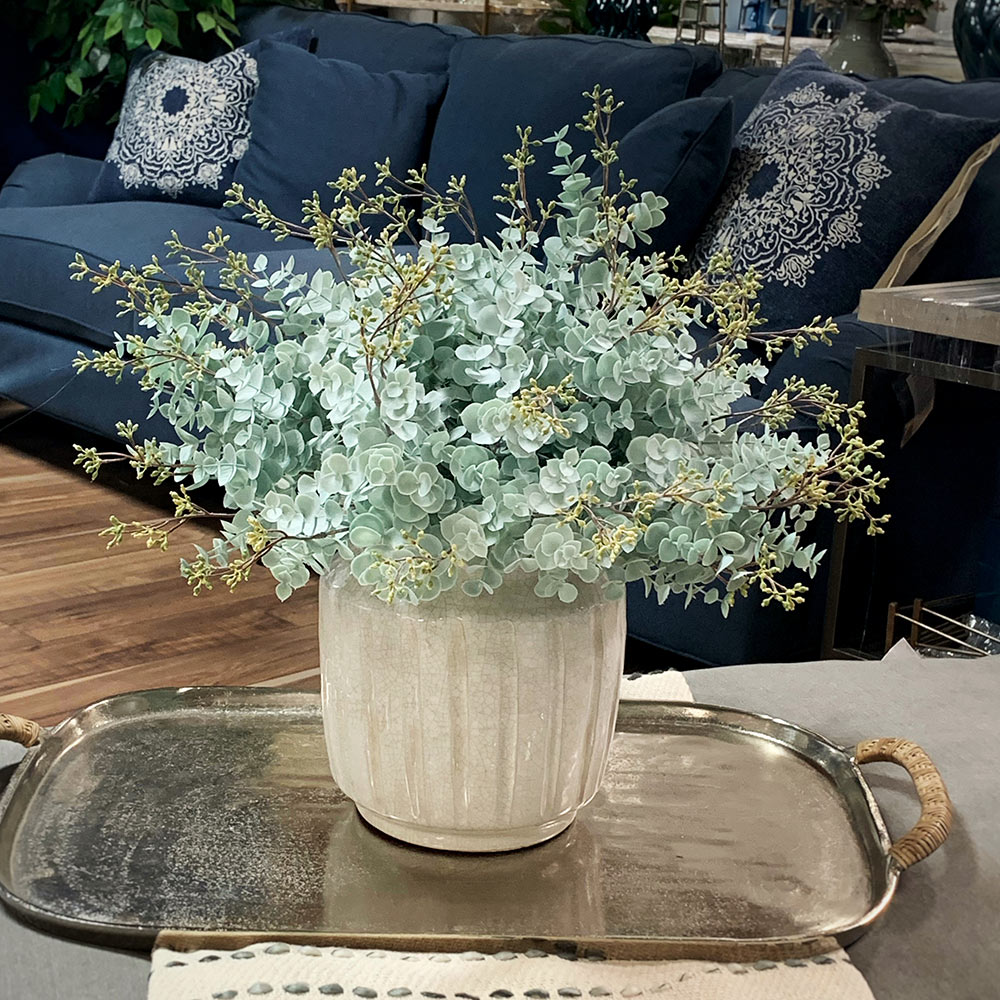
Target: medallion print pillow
{"points": [[828, 183], [183, 127]]}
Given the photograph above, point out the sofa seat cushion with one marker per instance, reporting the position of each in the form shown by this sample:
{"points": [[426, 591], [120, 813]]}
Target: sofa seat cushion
{"points": [[377, 43], [313, 117], [39, 244], [499, 82], [37, 370], [829, 186]]}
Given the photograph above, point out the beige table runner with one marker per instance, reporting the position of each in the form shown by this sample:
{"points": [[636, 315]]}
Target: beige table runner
{"points": [[277, 969]]}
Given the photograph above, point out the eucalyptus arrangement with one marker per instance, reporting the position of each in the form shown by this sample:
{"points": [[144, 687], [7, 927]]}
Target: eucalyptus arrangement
{"points": [[445, 416]]}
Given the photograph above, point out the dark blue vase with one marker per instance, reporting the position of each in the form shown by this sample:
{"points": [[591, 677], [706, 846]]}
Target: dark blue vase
{"points": [[622, 18], [976, 29]]}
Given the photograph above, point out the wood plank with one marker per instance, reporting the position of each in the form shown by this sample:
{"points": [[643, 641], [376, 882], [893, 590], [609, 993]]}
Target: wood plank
{"points": [[154, 604], [58, 549], [79, 623], [14, 642], [126, 567], [114, 642], [24, 523], [254, 663]]}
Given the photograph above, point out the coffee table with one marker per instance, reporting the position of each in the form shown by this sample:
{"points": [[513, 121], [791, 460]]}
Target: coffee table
{"points": [[938, 938]]}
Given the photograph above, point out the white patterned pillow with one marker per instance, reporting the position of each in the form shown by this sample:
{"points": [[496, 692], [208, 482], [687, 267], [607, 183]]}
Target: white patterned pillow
{"points": [[183, 127], [827, 184]]}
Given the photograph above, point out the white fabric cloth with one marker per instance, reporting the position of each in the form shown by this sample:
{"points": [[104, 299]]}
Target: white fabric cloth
{"points": [[666, 685], [306, 971], [276, 969]]}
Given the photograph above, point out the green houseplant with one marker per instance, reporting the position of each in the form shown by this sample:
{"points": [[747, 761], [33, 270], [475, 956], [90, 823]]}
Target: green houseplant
{"points": [[83, 47], [492, 434]]}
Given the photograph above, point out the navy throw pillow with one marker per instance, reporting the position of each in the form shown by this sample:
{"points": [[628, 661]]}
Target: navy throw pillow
{"points": [[745, 86], [682, 153], [969, 247], [183, 126], [498, 82], [828, 181], [314, 117]]}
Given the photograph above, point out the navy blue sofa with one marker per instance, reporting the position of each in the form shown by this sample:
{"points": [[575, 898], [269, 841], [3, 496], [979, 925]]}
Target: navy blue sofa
{"points": [[45, 319]]}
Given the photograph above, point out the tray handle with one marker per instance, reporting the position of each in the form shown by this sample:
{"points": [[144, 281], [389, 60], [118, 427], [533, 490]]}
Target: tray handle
{"points": [[23, 731], [934, 825]]}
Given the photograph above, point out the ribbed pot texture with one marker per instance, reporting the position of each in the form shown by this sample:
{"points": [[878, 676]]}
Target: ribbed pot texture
{"points": [[469, 724]]}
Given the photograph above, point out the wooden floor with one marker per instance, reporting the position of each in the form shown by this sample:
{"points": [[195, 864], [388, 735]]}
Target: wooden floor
{"points": [[79, 623]]}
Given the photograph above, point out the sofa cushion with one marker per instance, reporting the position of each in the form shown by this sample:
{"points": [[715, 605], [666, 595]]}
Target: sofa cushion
{"points": [[969, 247], [829, 180], [377, 43], [681, 152], [830, 364], [314, 117], [183, 126], [501, 81], [37, 370], [744, 86], [52, 179], [39, 244]]}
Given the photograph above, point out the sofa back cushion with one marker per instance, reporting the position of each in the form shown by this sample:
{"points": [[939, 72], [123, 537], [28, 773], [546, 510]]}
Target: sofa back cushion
{"points": [[681, 152], [501, 81], [314, 117], [377, 43], [744, 87], [969, 247]]}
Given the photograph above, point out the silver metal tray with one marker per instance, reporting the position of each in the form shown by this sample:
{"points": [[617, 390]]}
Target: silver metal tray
{"points": [[717, 834]]}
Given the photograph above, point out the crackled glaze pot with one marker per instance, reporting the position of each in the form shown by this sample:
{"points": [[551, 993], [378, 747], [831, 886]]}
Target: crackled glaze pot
{"points": [[469, 724]]}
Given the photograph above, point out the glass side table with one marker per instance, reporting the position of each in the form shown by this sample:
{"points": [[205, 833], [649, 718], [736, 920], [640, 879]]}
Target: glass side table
{"points": [[952, 356]]}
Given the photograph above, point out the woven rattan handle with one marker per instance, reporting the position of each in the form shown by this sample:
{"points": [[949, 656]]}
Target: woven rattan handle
{"points": [[23, 731], [934, 824]]}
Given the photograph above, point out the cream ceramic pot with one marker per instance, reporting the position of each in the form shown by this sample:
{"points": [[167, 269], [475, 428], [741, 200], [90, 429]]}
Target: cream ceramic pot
{"points": [[469, 724]]}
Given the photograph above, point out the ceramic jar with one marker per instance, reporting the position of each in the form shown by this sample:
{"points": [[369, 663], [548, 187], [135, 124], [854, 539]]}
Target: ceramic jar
{"points": [[858, 47]]}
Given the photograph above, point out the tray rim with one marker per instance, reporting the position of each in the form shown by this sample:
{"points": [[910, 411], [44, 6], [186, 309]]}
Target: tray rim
{"points": [[140, 936]]}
